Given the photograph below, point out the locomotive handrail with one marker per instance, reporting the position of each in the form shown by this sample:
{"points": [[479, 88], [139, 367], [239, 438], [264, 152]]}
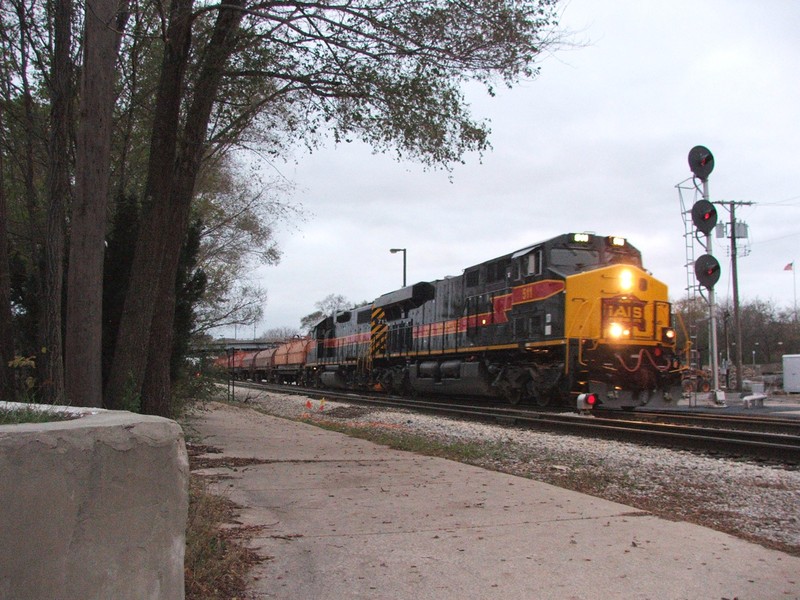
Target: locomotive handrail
{"points": [[571, 333], [688, 343]]}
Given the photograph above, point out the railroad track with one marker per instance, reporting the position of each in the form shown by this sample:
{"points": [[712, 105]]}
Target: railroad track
{"points": [[760, 423], [747, 437]]}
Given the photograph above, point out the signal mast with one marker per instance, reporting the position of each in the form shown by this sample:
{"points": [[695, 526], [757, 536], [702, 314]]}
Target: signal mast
{"points": [[706, 267]]}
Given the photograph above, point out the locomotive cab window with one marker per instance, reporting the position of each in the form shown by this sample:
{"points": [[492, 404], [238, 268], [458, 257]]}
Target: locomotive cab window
{"points": [[535, 262], [495, 272], [473, 278]]}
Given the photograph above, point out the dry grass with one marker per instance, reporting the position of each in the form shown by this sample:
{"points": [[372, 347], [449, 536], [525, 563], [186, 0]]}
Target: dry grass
{"points": [[217, 558]]}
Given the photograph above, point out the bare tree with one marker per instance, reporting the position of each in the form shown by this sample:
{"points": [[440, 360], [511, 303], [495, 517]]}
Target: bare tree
{"points": [[52, 366], [279, 334], [333, 303], [239, 215]]}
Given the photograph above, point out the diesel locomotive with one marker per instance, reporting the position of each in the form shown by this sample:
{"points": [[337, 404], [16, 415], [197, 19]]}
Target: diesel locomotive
{"points": [[574, 319]]}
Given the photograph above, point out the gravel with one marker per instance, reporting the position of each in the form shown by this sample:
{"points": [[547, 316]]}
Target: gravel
{"points": [[755, 501]]}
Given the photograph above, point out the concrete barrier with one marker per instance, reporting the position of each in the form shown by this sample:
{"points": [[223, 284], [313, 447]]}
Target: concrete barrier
{"points": [[93, 507]]}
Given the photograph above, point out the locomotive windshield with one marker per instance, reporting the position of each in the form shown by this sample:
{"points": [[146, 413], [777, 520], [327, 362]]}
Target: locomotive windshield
{"points": [[583, 251], [625, 256], [573, 260]]}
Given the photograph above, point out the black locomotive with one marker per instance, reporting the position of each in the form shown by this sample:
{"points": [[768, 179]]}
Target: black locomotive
{"points": [[572, 317]]}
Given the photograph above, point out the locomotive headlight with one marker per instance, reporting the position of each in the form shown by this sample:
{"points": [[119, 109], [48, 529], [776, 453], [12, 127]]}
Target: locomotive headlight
{"points": [[626, 280], [617, 331], [668, 335]]}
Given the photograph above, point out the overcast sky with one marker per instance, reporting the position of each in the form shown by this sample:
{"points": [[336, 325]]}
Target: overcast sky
{"points": [[598, 142]]}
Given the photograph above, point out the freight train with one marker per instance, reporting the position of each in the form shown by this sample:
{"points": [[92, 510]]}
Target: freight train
{"points": [[572, 321]]}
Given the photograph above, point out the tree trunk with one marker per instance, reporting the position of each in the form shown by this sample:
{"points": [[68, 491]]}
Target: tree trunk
{"points": [[130, 354], [27, 166], [51, 365], [87, 241], [156, 389], [6, 332], [156, 394]]}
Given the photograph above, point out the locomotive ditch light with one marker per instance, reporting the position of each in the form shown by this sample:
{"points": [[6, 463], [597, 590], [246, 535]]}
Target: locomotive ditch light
{"points": [[668, 335]]}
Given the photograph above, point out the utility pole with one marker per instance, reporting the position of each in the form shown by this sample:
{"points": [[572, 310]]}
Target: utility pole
{"points": [[737, 324]]}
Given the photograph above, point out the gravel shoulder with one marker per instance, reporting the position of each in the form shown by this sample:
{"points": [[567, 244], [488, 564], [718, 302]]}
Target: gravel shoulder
{"points": [[753, 501]]}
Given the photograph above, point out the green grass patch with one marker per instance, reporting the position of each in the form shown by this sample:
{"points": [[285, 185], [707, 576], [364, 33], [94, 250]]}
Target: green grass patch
{"points": [[17, 415], [468, 452]]}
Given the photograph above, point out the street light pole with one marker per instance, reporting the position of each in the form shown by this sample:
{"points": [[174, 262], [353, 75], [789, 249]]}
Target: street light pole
{"points": [[403, 250]]}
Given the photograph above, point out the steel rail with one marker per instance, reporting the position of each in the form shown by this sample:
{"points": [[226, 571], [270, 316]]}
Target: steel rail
{"points": [[703, 419]]}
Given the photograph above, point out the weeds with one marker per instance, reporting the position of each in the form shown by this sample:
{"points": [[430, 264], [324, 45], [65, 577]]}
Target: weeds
{"points": [[216, 561], [190, 391], [400, 440]]}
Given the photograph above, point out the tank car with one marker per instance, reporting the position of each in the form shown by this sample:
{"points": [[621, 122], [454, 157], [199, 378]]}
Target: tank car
{"points": [[575, 316], [289, 359], [238, 363], [262, 368]]}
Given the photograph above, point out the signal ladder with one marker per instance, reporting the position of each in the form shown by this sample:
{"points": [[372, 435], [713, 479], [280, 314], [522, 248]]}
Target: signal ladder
{"points": [[693, 288]]}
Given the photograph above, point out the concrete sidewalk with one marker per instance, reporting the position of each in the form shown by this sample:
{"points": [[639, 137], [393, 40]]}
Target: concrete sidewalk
{"points": [[346, 518]]}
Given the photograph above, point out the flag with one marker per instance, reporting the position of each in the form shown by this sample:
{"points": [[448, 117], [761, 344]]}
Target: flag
{"points": [[789, 267]]}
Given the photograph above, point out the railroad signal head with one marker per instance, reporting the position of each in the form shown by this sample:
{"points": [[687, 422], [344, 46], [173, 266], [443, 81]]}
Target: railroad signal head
{"points": [[701, 162], [707, 271], [704, 216]]}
